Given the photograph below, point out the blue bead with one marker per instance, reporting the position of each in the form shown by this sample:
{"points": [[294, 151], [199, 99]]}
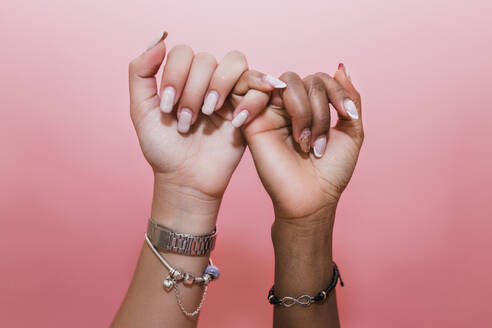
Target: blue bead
{"points": [[213, 271]]}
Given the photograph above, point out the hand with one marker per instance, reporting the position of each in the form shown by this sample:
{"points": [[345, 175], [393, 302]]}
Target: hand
{"points": [[193, 156], [301, 183]]}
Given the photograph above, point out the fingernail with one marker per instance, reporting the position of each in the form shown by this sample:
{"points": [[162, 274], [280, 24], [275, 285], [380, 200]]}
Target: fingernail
{"points": [[319, 146], [345, 69], [305, 140], [157, 40], [210, 102], [240, 118], [184, 120], [350, 109], [167, 99], [276, 83]]}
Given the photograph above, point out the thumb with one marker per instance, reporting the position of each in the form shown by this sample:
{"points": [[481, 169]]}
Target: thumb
{"points": [[342, 76], [142, 71]]}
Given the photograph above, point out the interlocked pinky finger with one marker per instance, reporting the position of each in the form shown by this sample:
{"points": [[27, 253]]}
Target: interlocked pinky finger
{"points": [[252, 79], [252, 104]]}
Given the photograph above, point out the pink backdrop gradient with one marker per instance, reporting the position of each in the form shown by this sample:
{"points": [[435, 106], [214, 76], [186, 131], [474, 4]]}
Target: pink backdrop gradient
{"points": [[413, 233]]}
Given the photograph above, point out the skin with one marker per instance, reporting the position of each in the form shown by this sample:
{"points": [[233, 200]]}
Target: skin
{"points": [[189, 182], [305, 190]]}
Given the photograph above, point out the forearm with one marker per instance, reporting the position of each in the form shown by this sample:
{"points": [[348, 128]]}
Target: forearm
{"points": [[303, 266], [147, 303]]}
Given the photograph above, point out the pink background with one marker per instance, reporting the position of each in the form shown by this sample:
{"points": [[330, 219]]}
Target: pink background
{"points": [[413, 232]]}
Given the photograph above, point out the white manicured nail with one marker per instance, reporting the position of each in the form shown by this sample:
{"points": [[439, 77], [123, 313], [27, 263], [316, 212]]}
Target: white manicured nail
{"points": [[167, 99], [276, 83], [184, 120], [210, 102], [350, 109], [161, 37], [319, 146], [240, 118]]}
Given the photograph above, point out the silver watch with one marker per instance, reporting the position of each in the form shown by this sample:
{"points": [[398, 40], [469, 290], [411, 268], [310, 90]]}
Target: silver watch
{"points": [[169, 241]]}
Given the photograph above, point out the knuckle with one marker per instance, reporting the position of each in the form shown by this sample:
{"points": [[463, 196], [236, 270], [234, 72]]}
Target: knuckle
{"points": [[323, 75], [206, 57], [289, 76], [182, 48], [251, 73], [237, 55], [315, 84], [308, 79]]}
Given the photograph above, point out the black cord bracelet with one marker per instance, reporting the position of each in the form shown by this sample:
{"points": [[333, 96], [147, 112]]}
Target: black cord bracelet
{"points": [[306, 300]]}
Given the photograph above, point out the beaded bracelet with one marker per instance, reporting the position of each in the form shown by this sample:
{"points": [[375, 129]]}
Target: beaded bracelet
{"points": [[306, 300], [175, 276]]}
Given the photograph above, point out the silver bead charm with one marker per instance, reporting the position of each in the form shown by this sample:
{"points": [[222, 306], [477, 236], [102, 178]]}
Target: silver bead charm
{"points": [[188, 279], [168, 284], [207, 279], [177, 275]]}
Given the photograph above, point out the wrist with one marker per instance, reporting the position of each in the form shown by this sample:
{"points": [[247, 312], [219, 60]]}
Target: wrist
{"points": [[303, 248], [307, 237], [316, 225], [183, 209]]}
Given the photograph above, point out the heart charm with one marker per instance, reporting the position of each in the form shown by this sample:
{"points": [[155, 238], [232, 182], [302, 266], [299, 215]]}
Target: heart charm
{"points": [[168, 284]]}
